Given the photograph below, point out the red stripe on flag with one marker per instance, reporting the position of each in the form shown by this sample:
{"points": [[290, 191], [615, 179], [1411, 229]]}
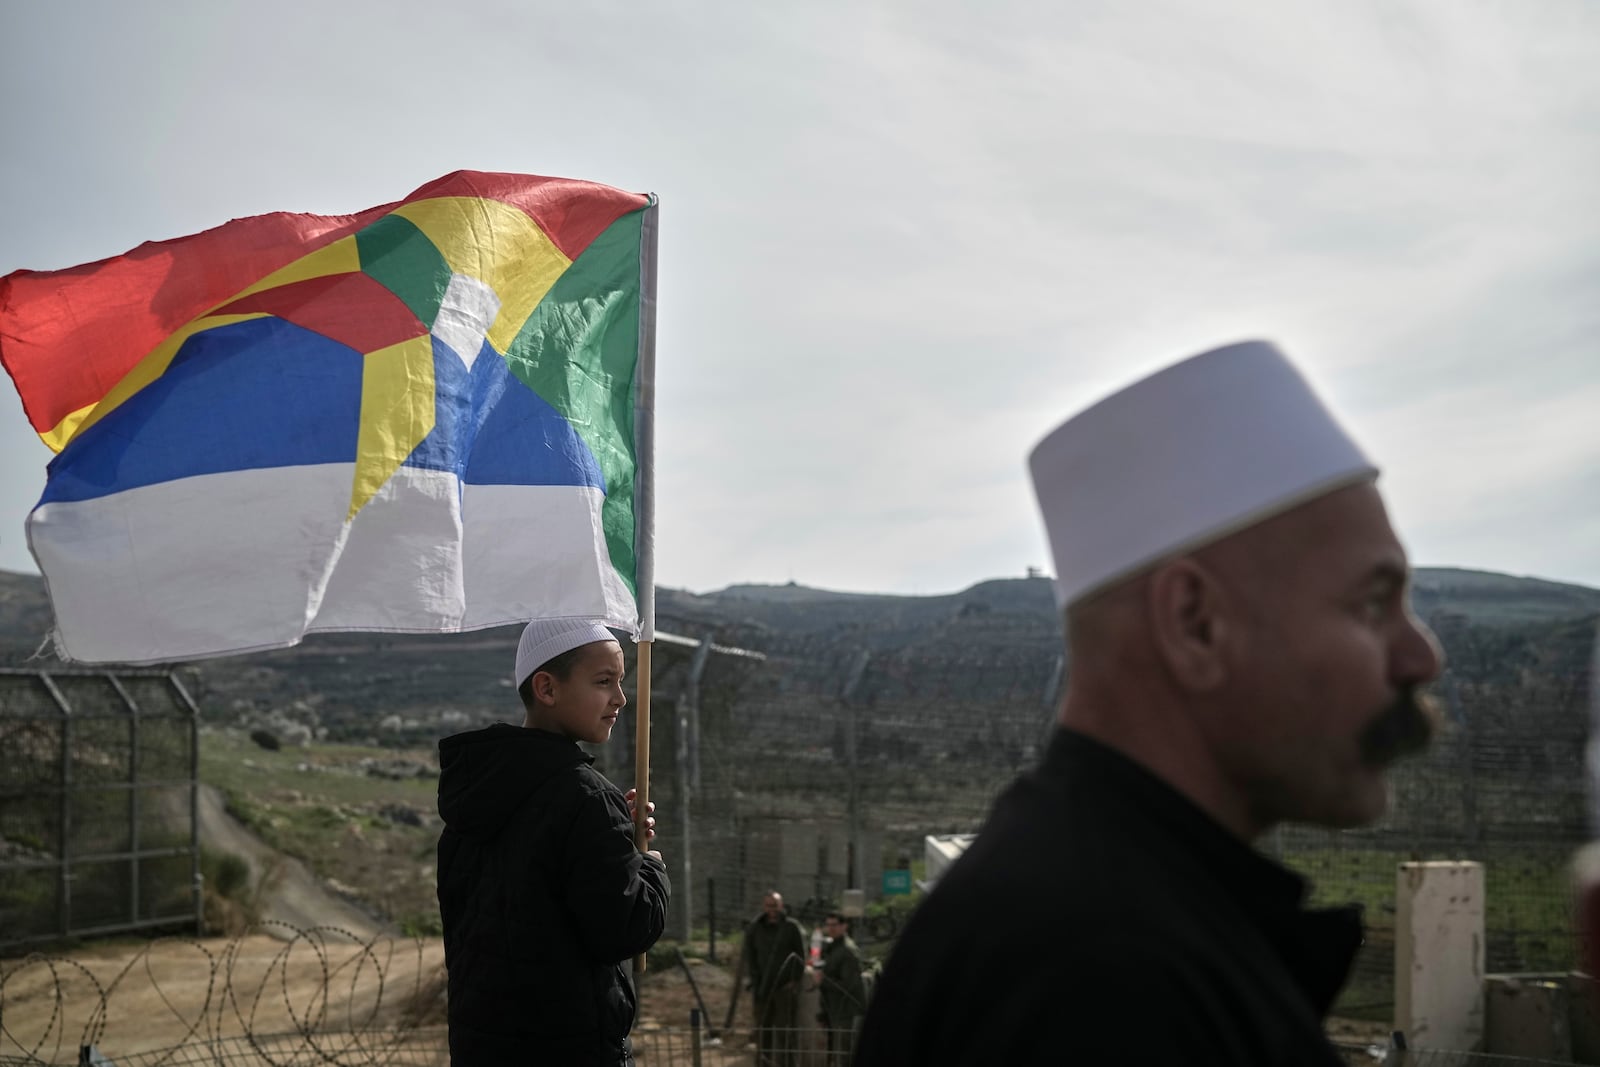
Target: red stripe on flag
{"points": [[571, 213], [353, 309], [68, 336]]}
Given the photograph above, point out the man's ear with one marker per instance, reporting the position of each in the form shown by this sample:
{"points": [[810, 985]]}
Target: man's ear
{"points": [[544, 687], [1188, 623]]}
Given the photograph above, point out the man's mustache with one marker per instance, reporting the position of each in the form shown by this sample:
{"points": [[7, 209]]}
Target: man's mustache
{"points": [[1405, 728]]}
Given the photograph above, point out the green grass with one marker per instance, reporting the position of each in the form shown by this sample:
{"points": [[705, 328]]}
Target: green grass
{"points": [[1525, 891], [299, 811], [1528, 917], [237, 764], [318, 805]]}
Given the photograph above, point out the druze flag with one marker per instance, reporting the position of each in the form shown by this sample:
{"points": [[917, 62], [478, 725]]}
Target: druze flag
{"points": [[429, 416]]}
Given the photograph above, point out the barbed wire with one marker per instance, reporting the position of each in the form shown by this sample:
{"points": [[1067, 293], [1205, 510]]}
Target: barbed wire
{"points": [[231, 1019]]}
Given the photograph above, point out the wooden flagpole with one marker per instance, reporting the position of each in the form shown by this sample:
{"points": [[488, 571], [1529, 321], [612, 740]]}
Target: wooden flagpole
{"points": [[645, 524], [641, 764], [641, 753]]}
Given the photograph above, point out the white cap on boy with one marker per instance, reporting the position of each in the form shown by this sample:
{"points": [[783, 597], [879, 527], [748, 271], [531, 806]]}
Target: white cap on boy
{"points": [[545, 639]]}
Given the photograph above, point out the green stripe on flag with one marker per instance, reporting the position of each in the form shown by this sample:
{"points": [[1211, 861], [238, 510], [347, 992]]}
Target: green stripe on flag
{"points": [[399, 256], [579, 351]]}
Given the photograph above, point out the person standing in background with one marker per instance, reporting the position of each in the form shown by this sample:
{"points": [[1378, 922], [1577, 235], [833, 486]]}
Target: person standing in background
{"points": [[774, 960], [844, 994]]}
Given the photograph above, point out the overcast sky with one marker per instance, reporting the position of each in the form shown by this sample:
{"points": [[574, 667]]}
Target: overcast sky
{"points": [[900, 242]]}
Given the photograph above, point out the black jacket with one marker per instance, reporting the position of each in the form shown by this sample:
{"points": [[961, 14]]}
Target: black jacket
{"points": [[544, 898], [1102, 918]]}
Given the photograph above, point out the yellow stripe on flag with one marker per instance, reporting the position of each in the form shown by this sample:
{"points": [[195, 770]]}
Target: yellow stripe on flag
{"points": [[397, 406], [498, 245], [341, 257], [143, 373]]}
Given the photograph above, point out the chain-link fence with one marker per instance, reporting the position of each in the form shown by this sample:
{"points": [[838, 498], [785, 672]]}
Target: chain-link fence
{"points": [[824, 761], [826, 764], [98, 832], [1504, 785]]}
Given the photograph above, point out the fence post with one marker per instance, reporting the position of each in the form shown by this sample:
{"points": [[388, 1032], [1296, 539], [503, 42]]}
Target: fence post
{"points": [[196, 881], [694, 1035], [64, 809], [134, 743], [1439, 954], [711, 922]]}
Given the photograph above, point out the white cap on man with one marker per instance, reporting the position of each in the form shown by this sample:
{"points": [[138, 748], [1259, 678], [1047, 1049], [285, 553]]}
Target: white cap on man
{"points": [[545, 639], [1185, 457]]}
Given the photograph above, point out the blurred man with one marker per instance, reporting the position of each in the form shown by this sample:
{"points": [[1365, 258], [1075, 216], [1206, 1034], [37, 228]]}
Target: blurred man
{"points": [[774, 960], [1243, 653], [843, 993]]}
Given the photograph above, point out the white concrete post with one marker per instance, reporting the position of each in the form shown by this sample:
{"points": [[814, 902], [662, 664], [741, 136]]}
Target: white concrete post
{"points": [[1439, 955]]}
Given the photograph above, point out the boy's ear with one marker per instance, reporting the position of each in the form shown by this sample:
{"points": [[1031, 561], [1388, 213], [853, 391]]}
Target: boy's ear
{"points": [[543, 684]]}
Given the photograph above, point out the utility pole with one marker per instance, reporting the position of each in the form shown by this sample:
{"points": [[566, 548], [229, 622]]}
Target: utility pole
{"points": [[847, 700], [691, 699], [688, 761]]}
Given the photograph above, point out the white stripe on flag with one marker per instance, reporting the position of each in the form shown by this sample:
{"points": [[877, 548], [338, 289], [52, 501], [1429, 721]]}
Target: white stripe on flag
{"points": [[256, 559], [540, 552]]}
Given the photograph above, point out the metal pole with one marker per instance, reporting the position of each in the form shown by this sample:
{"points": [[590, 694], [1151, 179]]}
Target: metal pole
{"points": [[694, 1035], [64, 809], [688, 753], [194, 802], [1461, 722], [133, 795], [711, 919], [691, 699], [853, 872], [686, 829]]}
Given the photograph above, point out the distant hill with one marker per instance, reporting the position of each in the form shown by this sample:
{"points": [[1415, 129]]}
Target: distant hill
{"points": [[1487, 598], [25, 616], [345, 683], [1484, 598]]}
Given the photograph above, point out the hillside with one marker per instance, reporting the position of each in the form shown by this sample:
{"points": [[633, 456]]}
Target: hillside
{"points": [[406, 689]]}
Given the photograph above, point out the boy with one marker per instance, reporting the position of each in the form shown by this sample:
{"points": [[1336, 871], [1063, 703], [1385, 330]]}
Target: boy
{"points": [[543, 894]]}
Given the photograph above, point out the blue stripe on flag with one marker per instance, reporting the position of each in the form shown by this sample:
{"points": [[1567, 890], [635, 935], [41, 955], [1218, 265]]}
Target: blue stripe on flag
{"points": [[254, 394], [490, 429]]}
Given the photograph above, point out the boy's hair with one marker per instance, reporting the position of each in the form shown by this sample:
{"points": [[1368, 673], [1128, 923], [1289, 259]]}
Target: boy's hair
{"points": [[560, 666], [838, 916]]}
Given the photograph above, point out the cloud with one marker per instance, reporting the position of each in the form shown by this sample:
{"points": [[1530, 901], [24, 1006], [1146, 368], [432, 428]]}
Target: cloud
{"points": [[900, 242]]}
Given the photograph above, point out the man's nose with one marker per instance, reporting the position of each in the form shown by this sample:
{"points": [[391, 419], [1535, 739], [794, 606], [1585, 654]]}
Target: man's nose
{"points": [[1418, 659]]}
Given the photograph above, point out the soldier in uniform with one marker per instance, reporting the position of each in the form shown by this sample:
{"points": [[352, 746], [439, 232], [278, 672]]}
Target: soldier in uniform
{"points": [[843, 993]]}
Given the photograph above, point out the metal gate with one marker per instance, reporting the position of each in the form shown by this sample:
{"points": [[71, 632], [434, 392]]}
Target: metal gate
{"points": [[99, 827]]}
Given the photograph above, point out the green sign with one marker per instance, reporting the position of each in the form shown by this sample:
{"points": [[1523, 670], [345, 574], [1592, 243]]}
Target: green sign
{"points": [[896, 883]]}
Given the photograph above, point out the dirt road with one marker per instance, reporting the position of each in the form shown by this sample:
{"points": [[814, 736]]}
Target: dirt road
{"points": [[292, 895]]}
